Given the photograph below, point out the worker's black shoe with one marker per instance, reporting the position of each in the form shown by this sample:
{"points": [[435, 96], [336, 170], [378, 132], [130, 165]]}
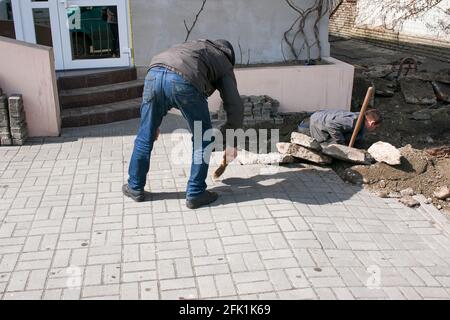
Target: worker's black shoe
{"points": [[201, 200], [137, 196]]}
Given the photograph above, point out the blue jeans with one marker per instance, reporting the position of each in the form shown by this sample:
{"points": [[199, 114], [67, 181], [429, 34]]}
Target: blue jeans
{"points": [[163, 90]]}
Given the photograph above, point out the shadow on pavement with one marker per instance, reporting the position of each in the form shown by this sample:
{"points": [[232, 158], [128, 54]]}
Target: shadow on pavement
{"points": [[297, 185]]}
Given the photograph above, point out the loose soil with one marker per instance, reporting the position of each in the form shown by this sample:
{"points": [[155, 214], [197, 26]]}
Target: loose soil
{"points": [[424, 145], [418, 170]]}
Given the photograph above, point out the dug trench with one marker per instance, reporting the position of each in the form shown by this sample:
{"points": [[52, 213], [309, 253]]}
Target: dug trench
{"points": [[423, 143]]}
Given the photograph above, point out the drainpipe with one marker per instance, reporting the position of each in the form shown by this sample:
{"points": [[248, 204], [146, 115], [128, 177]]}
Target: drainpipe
{"points": [[130, 27]]}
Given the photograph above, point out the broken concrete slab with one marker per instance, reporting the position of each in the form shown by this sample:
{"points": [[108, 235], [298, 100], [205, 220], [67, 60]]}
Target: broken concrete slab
{"points": [[442, 91], [346, 153], [442, 193], [303, 153], [407, 192], [305, 141], [409, 202], [385, 152], [417, 91], [379, 71], [384, 88], [441, 76], [274, 158], [382, 194], [395, 195]]}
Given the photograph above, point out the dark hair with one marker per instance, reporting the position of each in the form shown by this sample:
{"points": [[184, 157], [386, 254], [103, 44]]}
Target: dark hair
{"points": [[374, 115]]}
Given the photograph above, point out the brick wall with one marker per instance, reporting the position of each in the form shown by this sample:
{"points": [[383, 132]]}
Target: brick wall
{"points": [[342, 23], [343, 19]]}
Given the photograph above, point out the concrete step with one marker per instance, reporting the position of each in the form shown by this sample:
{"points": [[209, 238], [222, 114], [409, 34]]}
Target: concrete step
{"points": [[100, 95], [69, 80], [101, 114]]}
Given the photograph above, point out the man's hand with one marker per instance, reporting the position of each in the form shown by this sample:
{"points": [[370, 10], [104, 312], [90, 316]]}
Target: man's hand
{"points": [[158, 132]]}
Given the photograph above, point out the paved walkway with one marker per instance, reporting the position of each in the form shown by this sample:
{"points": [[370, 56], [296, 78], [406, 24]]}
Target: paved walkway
{"points": [[66, 231]]}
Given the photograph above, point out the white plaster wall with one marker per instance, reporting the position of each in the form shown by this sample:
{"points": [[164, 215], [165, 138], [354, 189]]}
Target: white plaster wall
{"points": [[258, 25], [428, 24]]}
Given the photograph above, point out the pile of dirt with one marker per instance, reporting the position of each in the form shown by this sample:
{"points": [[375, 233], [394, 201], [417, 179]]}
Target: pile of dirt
{"points": [[420, 130], [419, 170]]}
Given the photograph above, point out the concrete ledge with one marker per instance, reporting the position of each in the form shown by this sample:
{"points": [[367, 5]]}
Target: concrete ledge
{"points": [[298, 88]]}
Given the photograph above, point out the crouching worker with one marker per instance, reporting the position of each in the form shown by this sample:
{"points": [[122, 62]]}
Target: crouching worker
{"points": [[337, 126], [183, 77]]}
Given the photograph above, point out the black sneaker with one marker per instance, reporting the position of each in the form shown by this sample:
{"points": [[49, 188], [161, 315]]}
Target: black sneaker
{"points": [[137, 196], [204, 199]]}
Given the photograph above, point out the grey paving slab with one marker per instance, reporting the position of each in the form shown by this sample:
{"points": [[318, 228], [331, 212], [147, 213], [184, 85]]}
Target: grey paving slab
{"points": [[297, 232]]}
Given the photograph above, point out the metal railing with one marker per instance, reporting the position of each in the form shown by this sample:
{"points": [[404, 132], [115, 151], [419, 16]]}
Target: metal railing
{"points": [[94, 40]]}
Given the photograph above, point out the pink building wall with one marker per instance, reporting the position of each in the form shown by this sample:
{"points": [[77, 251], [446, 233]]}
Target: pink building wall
{"points": [[29, 69]]}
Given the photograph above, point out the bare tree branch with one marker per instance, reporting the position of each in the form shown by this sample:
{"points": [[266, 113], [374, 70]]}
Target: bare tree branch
{"points": [[240, 50], [318, 10], [394, 13], [189, 29]]}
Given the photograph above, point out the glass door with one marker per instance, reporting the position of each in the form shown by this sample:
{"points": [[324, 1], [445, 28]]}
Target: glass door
{"points": [[37, 21], [94, 33], [7, 28]]}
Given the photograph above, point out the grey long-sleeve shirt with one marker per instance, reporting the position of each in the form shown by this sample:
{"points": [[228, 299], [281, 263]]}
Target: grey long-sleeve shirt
{"points": [[335, 126]]}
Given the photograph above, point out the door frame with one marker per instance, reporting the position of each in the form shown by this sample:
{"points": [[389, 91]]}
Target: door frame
{"points": [[24, 25], [123, 23]]}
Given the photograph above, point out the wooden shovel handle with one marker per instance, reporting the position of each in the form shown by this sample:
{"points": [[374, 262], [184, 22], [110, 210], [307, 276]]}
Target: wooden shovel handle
{"points": [[227, 160], [365, 105]]}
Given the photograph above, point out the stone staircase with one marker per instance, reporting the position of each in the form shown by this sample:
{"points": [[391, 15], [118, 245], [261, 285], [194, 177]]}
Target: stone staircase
{"points": [[99, 97]]}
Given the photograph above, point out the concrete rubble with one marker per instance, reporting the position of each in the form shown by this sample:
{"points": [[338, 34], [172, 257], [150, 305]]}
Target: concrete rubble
{"points": [[305, 141], [407, 192], [379, 71], [274, 158], [409, 201], [417, 92], [420, 87], [385, 152], [303, 153], [348, 154], [442, 193], [441, 76]]}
